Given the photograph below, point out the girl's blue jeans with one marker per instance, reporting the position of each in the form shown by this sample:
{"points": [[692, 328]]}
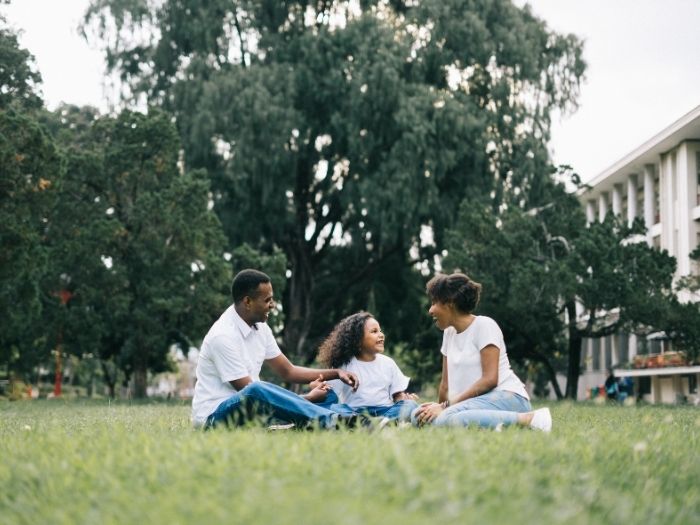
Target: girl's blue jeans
{"points": [[401, 410], [497, 407]]}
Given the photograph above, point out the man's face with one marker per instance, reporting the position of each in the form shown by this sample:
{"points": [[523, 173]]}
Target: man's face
{"points": [[260, 304]]}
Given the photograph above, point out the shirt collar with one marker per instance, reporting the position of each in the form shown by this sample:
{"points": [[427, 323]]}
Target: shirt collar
{"points": [[244, 327]]}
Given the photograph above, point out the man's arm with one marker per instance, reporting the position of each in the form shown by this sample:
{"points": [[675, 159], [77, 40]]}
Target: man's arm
{"points": [[301, 374], [240, 384]]}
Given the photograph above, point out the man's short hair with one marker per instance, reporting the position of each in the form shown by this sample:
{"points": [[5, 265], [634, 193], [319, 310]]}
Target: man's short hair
{"points": [[246, 283]]}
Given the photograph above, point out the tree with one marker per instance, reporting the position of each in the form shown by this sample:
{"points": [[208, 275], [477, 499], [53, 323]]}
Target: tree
{"points": [[135, 244], [553, 281], [30, 176], [339, 133]]}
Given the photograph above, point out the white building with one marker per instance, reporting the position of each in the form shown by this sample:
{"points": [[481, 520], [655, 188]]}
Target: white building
{"points": [[660, 182]]}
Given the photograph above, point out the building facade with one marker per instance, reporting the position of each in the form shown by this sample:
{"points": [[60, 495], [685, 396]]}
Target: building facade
{"points": [[659, 182]]}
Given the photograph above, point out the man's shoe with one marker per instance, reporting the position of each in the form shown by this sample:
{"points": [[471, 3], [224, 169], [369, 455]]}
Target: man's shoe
{"points": [[542, 420], [282, 426]]}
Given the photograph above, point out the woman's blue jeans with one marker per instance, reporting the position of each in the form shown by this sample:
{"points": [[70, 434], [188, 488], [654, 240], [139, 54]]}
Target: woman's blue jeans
{"points": [[262, 399], [497, 407]]}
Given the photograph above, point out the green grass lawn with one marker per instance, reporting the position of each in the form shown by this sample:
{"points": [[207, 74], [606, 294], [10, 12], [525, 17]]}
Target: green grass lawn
{"points": [[94, 462]]}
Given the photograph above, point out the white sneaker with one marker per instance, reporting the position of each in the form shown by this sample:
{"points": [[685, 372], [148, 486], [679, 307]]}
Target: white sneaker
{"points": [[542, 420]]}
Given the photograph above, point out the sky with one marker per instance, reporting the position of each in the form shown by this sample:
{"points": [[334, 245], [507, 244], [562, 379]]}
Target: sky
{"points": [[643, 68]]}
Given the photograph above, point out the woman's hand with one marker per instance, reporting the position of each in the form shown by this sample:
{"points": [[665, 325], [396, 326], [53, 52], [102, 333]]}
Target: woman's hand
{"points": [[427, 413]]}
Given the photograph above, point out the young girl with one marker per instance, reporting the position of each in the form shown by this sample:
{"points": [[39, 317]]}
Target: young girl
{"points": [[357, 344]]}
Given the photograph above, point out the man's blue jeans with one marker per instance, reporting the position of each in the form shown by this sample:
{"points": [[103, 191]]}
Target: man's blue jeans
{"points": [[401, 410], [262, 399], [497, 407]]}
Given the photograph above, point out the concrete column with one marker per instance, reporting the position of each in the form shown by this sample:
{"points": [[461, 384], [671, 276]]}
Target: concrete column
{"points": [[590, 211], [683, 181], [602, 206], [631, 199], [632, 346], [617, 199], [649, 197]]}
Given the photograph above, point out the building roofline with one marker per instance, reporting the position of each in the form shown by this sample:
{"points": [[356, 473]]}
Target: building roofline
{"points": [[666, 139]]}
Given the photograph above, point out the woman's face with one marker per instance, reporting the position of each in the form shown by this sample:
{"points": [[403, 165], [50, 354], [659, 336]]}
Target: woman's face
{"points": [[373, 340], [442, 314]]}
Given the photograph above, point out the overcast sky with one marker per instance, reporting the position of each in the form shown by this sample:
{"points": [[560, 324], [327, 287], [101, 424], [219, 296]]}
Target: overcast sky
{"points": [[643, 68]]}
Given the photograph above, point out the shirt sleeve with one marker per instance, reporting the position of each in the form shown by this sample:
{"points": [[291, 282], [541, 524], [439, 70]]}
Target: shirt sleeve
{"points": [[229, 361], [489, 333], [399, 382], [445, 336], [272, 349]]}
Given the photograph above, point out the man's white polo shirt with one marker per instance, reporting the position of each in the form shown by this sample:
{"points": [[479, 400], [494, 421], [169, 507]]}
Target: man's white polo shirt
{"points": [[231, 350]]}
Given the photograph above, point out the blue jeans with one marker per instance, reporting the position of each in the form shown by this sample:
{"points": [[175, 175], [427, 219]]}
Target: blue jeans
{"points": [[262, 399], [497, 407], [401, 410]]}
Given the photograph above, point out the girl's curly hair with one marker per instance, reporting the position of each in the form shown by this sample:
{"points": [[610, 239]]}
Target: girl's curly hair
{"points": [[345, 341]]}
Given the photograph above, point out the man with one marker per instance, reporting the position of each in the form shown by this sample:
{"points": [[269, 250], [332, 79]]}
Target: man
{"points": [[229, 390]]}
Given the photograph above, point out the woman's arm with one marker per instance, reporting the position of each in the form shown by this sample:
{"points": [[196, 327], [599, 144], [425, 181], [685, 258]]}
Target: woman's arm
{"points": [[442, 388], [487, 382], [488, 379]]}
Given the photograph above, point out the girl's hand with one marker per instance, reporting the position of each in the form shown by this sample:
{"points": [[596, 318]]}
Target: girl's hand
{"points": [[405, 396], [427, 413]]}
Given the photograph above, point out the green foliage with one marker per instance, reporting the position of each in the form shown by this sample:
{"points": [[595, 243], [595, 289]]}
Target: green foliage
{"points": [[536, 266], [19, 79], [338, 135], [30, 177], [133, 241], [70, 463]]}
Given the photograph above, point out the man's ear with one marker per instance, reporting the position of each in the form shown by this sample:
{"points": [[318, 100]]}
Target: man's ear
{"points": [[246, 301]]}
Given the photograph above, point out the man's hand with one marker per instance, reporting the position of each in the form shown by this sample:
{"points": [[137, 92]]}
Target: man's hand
{"points": [[427, 413], [349, 379]]}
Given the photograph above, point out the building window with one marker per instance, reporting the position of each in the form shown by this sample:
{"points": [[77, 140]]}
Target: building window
{"points": [[596, 353], [697, 176], [623, 351], [657, 200], [608, 352]]}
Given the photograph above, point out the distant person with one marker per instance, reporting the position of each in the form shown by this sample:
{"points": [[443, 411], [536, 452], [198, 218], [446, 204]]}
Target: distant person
{"points": [[612, 387], [356, 344], [228, 389], [478, 386]]}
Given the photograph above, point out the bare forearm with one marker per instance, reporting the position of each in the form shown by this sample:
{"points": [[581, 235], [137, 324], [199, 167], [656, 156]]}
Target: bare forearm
{"points": [[302, 374], [481, 386], [442, 391]]}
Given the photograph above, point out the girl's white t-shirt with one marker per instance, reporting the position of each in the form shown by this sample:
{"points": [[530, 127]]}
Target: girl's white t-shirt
{"points": [[463, 352], [379, 381]]}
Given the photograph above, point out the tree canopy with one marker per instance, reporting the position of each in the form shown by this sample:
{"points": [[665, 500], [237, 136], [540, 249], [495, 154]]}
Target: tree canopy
{"points": [[347, 135]]}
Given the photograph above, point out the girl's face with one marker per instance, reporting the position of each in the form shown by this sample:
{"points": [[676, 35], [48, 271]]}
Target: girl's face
{"points": [[373, 340], [442, 314]]}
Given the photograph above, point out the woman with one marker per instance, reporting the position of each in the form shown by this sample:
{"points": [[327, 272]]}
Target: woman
{"points": [[478, 386]]}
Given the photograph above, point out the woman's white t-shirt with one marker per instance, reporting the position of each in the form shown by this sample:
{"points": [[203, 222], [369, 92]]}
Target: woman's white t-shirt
{"points": [[463, 352], [379, 381]]}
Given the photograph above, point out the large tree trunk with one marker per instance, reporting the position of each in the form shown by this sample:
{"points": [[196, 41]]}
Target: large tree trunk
{"points": [[575, 340], [110, 379], [140, 380], [553, 378], [298, 306]]}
